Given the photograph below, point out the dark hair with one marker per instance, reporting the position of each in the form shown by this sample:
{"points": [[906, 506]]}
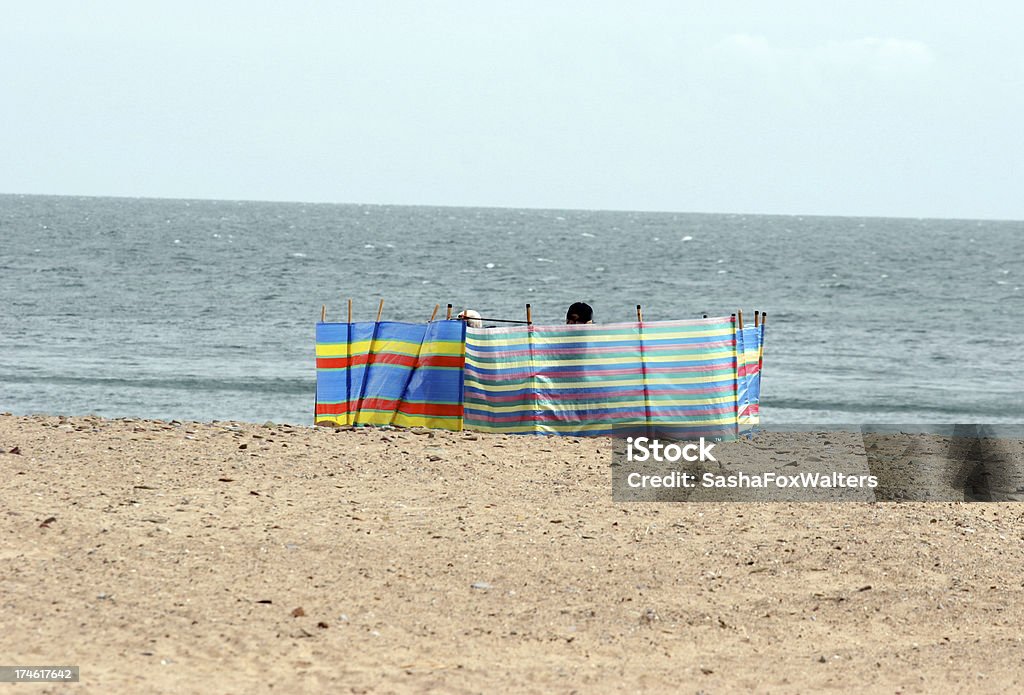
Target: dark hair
{"points": [[579, 313]]}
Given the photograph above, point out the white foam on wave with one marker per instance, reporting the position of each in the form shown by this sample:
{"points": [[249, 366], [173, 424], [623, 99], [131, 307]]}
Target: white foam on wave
{"points": [[544, 260], [687, 238], [297, 254], [489, 265], [588, 235], [369, 246]]}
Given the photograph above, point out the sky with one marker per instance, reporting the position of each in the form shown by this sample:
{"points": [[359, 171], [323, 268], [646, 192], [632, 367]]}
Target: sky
{"points": [[866, 108]]}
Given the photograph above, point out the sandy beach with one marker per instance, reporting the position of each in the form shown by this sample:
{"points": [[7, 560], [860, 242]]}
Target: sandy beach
{"points": [[238, 558]]}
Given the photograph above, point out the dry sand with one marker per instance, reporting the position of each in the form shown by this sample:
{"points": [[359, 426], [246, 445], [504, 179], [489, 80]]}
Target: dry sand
{"points": [[237, 558]]}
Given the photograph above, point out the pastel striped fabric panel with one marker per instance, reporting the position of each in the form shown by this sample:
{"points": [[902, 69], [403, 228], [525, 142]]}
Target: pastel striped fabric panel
{"points": [[667, 378], [390, 373], [748, 377], [499, 393]]}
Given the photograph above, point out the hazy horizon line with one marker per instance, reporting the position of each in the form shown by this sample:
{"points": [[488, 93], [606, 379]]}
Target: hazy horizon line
{"points": [[507, 207]]}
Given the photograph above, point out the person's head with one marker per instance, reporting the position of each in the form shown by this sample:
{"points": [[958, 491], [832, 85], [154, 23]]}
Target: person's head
{"points": [[579, 313], [472, 318]]}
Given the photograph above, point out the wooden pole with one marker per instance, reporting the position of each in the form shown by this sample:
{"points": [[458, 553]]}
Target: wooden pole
{"points": [[380, 310], [739, 317], [648, 425], [323, 313], [449, 317], [436, 307], [349, 416], [736, 377], [529, 315], [756, 316]]}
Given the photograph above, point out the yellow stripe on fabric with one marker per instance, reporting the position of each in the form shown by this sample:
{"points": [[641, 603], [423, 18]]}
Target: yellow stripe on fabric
{"points": [[443, 347], [331, 350], [384, 417], [359, 347], [400, 347], [453, 424], [337, 419]]}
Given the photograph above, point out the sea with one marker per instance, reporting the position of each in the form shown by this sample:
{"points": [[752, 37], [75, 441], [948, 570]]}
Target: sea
{"points": [[206, 309]]}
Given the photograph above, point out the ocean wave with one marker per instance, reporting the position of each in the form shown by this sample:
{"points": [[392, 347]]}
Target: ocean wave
{"points": [[198, 384], [917, 410]]}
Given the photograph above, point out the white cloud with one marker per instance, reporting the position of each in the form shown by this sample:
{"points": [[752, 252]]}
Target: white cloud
{"points": [[882, 57], [891, 57]]}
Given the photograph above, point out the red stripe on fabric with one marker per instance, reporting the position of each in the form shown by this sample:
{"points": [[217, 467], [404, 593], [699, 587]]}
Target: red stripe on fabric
{"points": [[331, 362], [341, 362], [441, 361], [389, 358], [411, 408], [331, 409], [429, 409]]}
